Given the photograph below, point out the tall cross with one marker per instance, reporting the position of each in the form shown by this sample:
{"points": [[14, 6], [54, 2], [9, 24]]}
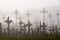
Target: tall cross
{"points": [[24, 28], [8, 23], [52, 27], [50, 30], [50, 16], [3, 20], [43, 11], [28, 14], [20, 23], [16, 13], [40, 27], [29, 24], [58, 19]]}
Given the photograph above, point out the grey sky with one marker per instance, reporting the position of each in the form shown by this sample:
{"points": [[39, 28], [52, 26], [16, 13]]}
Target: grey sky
{"points": [[8, 7]]}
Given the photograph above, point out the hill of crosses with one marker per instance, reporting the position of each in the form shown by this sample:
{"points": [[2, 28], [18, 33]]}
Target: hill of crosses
{"points": [[27, 29]]}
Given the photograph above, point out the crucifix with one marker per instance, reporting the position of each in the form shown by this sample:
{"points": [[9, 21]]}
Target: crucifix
{"points": [[24, 28], [53, 27], [40, 27], [28, 15], [8, 23], [28, 24], [20, 23], [57, 19], [50, 30], [43, 11], [16, 13], [50, 16]]}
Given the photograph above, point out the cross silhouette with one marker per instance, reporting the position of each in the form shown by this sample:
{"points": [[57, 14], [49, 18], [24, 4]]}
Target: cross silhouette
{"points": [[24, 28], [50, 30], [28, 14], [21, 25], [44, 26], [50, 16], [8, 23], [58, 19], [43, 11], [16, 13], [29, 24]]}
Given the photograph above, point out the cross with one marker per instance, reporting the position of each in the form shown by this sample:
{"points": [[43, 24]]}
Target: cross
{"points": [[20, 23], [8, 23], [52, 27], [16, 13], [50, 16], [57, 19], [13, 31], [3, 19], [29, 24], [24, 28], [56, 30], [43, 11], [50, 31], [28, 14], [40, 27]]}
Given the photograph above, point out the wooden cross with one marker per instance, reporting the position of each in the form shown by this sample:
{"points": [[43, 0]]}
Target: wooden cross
{"points": [[16, 13], [43, 11], [8, 23], [58, 19]]}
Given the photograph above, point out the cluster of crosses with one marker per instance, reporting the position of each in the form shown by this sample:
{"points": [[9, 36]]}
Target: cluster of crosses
{"points": [[29, 24]]}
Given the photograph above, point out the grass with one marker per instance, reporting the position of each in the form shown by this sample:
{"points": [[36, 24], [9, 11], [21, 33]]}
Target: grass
{"points": [[28, 38]]}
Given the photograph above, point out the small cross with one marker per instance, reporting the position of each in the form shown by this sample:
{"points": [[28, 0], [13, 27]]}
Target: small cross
{"points": [[50, 16], [16, 13], [8, 23], [28, 14], [43, 11], [29, 24], [57, 19]]}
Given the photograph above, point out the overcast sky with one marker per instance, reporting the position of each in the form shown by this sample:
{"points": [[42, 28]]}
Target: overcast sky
{"points": [[26, 4], [8, 7]]}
